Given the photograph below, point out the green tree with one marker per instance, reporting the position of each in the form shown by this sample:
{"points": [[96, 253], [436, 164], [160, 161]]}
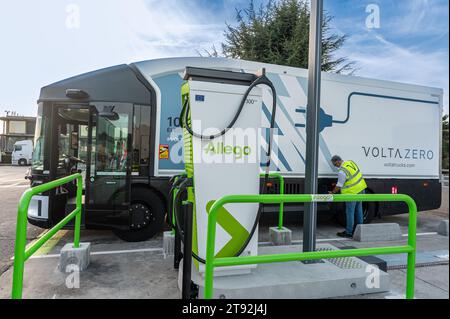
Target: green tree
{"points": [[445, 142], [278, 33]]}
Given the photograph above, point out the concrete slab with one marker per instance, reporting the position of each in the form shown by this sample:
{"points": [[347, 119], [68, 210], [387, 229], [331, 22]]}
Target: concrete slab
{"points": [[377, 232], [443, 228], [424, 289], [280, 237], [135, 275], [295, 280], [430, 283]]}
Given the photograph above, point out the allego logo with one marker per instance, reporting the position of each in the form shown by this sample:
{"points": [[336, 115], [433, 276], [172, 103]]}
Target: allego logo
{"points": [[222, 149], [236, 146]]}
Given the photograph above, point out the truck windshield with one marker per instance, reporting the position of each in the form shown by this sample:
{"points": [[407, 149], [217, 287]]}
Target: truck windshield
{"points": [[38, 153]]}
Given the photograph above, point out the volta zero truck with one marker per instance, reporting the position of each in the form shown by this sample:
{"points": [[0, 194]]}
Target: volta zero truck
{"points": [[120, 127]]}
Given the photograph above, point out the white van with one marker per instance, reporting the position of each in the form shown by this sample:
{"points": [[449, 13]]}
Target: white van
{"points": [[22, 153]]}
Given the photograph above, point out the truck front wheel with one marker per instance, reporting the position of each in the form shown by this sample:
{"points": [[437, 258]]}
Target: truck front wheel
{"points": [[146, 216]]}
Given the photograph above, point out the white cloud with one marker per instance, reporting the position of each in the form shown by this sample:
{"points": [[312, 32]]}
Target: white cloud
{"points": [[419, 17], [379, 58], [169, 28]]}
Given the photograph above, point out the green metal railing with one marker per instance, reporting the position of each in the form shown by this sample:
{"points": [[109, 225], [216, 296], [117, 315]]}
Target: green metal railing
{"points": [[281, 181], [212, 261], [21, 253]]}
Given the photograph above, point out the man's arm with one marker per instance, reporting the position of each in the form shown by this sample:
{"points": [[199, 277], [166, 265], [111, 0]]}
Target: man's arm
{"points": [[335, 190], [341, 181]]}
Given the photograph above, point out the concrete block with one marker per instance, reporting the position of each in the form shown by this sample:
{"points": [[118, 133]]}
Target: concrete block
{"points": [[377, 232], [280, 237], [168, 243], [443, 228], [75, 256]]}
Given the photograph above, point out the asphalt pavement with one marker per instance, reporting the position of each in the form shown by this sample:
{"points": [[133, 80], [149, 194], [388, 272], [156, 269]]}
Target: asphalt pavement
{"points": [[12, 185]]}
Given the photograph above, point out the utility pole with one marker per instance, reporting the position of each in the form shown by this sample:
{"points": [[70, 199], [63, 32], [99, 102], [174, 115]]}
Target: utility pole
{"points": [[312, 123]]}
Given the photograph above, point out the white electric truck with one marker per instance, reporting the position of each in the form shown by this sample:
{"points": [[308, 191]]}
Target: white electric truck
{"points": [[120, 127]]}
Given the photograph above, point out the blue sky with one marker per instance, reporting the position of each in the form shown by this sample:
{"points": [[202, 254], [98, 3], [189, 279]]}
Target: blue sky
{"points": [[41, 44]]}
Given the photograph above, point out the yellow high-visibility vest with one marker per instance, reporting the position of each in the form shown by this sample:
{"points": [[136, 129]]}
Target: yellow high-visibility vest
{"points": [[355, 182]]}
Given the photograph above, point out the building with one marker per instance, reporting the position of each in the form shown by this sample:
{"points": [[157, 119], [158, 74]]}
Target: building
{"points": [[14, 128]]}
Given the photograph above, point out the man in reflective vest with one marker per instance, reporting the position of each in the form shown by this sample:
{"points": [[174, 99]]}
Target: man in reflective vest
{"points": [[350, 181]]}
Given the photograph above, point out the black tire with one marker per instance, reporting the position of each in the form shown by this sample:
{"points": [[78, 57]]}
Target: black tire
{"points": [[147, 200], [22, 162], [369, 212]]}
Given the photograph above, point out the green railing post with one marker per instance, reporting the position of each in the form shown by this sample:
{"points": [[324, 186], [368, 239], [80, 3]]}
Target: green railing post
{"points": [[211, 247], [76, 240], [21, 254], [411, 264], [19, 248], [212, 262], [281, 212]]}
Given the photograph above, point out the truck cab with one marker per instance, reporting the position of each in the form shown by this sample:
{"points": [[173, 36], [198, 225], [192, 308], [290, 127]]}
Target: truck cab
{"points": [[22, 154]]}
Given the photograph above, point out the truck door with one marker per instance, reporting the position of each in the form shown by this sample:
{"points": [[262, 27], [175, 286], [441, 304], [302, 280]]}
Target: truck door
{"points": [[109, 157]]}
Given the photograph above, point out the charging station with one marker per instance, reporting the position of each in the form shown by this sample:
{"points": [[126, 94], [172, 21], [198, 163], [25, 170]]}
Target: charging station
{"points": [[221, 120], [218, 164]]}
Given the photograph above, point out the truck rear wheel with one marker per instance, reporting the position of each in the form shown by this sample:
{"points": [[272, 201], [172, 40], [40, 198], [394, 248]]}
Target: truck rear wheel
{"points": [[369, 212], [146, 216], [22, 162]]}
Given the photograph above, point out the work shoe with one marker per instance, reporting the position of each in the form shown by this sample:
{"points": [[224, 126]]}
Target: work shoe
{"points": [[344, 234]]}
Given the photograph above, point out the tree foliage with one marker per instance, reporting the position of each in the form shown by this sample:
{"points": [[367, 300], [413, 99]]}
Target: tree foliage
{"points": [[278, 32]]}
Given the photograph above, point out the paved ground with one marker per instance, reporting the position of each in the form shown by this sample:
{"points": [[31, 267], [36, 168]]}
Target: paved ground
{"points": [[140, 270], [12, 184]]}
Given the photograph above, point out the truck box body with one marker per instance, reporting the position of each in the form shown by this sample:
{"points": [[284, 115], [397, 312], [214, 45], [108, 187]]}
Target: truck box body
{"points": [[390, 130]]}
